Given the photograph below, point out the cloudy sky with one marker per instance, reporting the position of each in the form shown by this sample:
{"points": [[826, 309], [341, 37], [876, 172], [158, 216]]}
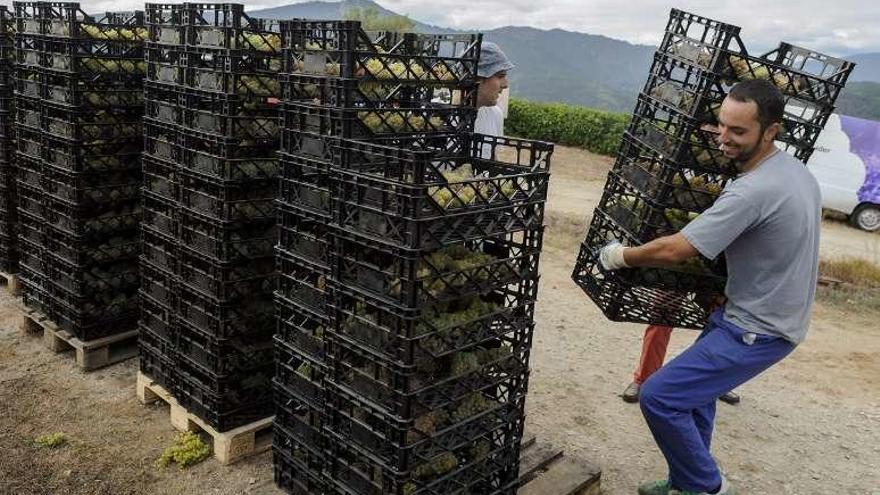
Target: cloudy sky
{"points": [[837, 27]]}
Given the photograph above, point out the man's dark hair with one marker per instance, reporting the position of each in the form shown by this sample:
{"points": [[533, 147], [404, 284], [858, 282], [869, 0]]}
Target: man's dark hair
{"points": [[765, 94]]}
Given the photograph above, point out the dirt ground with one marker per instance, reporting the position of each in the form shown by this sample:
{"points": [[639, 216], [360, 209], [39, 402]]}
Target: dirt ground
{"points": [[810, 425]]}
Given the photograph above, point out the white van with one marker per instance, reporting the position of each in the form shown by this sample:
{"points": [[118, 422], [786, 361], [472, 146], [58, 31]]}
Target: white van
{"points": [[847, 165]]}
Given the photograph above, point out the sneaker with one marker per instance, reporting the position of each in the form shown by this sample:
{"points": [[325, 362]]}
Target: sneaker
{"points": [[726, 489], [731, 398], [631, 393], [659, 487]]}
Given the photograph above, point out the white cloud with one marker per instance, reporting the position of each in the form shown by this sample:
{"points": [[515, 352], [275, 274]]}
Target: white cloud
{"points": [[838, 27]]}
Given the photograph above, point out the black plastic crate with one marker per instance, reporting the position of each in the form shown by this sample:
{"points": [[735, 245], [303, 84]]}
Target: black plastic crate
{"points": [[303, 283], [31, 229], [298, 470], [342, 48], [28, 19], [228, 201], [107, 124], [164, 65], [158, 318], [699, 40], [409, 281], [372, 123], [232, 72], [351, 93], [405, 391], [30, 202], [226, 318], [90, 251], [405, 444], [301, 329], [160, 214], [224, 356], [225, 25], [467, 187], [163, 106], [81, 91], [159, 249], [29, 82], [224, 402], [667, 183], [91, 157], [231, 117], [165, 23], [94, 317], [224, 281], [306, 237], [160, 178], [159, 284], [305, 186], [408, 338], [487, 466], [32, 257], [28, 113], [162, 140], [619, 300], [29, 171], [156, 361], [87, 189], [94, 219], [29, 51], [85, 281], [97, 59], [67, 20], [29, 143], [690, 89], [227, 242], [797, 72], [229, 162], [300, 376], [32, 294]]}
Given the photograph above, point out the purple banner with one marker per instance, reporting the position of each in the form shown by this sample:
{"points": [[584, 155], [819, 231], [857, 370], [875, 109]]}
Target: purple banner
{"points": [[864, 139]]}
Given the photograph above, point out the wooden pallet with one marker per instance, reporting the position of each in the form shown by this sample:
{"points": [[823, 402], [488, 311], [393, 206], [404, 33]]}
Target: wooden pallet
{"points": [[545, 470], [12, 282], [90, 354], [229, 446]]}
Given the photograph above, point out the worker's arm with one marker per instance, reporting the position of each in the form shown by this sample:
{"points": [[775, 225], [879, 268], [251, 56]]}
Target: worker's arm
{"points": [[709, 234], [663, 251]]}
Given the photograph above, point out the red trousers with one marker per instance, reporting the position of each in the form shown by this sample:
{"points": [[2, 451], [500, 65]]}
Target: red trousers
{"points": [[653, 351]]}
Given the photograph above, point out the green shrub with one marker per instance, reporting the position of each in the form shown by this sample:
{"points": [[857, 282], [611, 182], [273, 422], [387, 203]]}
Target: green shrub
{"points": [[594, 130]]}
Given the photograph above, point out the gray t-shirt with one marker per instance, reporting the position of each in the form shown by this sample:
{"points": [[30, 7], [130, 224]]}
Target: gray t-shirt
{"points": [[767, 222]]}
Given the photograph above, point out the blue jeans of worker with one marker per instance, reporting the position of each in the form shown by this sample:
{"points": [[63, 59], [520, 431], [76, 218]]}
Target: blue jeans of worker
{"points": [[678, 401]]}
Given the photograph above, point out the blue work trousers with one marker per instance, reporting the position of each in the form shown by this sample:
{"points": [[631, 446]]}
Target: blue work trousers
{"points": [[678, 401]]}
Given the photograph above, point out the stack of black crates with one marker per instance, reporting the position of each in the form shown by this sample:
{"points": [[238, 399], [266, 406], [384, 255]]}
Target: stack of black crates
{"points": [[210, 172], [79, 96], [408, 269], [669, 168], [8, 204]]}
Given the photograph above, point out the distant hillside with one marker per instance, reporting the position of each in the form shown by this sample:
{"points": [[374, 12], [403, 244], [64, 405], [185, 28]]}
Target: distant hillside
{"points": [[332, 10], [867, 67], [860, 99], [575, 68]]}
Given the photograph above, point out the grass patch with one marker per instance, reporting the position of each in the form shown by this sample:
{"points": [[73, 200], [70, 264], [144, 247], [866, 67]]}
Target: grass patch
{"points": [[855, 271], [859, 290], [50, 441], [188, 449]]}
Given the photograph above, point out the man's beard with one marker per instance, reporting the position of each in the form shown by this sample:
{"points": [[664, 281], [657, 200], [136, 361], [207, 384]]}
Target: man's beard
{"points": [[745, 155]]}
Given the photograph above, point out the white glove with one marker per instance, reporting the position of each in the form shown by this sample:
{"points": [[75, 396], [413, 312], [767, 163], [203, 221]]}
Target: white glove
{"points": [[611, 256]]}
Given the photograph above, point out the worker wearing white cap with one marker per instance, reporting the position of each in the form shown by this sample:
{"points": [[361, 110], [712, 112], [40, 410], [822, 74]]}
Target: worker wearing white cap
{"points": [[492, 76]]}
